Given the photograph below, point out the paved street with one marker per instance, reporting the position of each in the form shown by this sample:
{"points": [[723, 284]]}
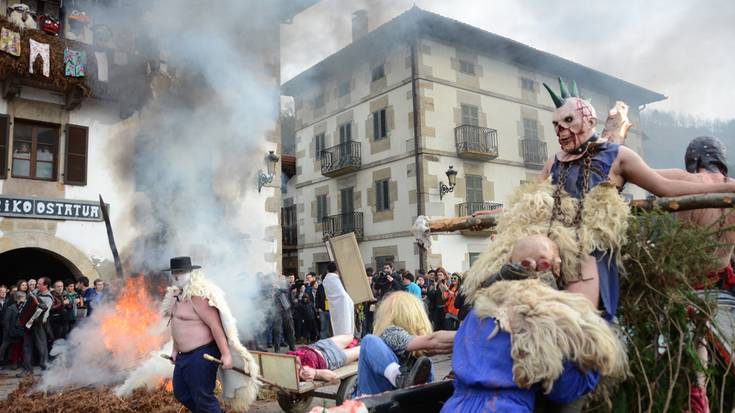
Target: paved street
{"points": [[442, 365]]}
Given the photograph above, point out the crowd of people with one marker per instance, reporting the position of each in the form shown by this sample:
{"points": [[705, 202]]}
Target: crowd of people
{"points": [[35, 313], [301, 309]]}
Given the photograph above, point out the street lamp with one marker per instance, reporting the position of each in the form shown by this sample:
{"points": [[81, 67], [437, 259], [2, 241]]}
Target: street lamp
{"points": [[452, 178], [266, 178]]}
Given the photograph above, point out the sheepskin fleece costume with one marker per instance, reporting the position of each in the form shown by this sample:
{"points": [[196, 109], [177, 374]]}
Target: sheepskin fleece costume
{"points": [[238, 391], [548, 327], [604, 225]]}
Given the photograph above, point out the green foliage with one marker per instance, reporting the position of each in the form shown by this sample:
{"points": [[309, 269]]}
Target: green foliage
{"points": [[663, 318]]}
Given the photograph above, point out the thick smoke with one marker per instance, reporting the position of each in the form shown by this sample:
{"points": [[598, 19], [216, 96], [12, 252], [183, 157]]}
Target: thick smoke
{"points": [[192, 155]]}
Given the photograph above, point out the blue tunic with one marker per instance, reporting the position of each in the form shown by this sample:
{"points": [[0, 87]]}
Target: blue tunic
{"points": [[607, 268], [483, 370]]}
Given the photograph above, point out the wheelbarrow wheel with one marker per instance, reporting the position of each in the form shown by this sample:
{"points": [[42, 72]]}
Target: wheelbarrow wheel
{"points": [[346, 389], [295, 403]]}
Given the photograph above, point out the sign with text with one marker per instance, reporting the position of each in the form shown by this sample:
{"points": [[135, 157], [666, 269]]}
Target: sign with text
{"points": [[66, 209]]}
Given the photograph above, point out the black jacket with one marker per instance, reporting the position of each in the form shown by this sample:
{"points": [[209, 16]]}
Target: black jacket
{"points": [[321, 298]]}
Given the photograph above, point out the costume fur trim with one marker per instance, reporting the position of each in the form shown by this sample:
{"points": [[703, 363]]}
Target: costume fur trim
{"points": [[549, 327], [238, 391], [604, 226]]}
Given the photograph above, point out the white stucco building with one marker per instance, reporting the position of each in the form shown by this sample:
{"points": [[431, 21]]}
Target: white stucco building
{"points": [[362, 165]]}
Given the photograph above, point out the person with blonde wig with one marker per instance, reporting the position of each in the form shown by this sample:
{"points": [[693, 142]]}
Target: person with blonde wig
{"points": [[395, 355]]}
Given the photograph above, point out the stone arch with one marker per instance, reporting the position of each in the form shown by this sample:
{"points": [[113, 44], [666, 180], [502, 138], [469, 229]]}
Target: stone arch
{"points": [[75, 259]]}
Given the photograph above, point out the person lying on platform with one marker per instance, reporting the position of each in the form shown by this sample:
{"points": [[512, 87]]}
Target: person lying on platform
{"points": [[319, 360], [394, 356], [523, 337]]}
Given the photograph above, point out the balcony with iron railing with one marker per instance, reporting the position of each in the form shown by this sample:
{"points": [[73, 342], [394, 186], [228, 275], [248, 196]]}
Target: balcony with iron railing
{"points": [[469, 208], [340, 224], [533, 152], [475, 142], [341, 159]]}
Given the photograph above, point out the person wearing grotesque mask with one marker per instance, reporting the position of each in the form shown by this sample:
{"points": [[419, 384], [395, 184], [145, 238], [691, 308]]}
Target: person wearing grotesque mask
{"points": [[201, 323], [577, 203], [706, 162]]}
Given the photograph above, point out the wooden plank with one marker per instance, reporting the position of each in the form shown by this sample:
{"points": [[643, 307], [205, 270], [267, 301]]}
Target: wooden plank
{"points": [[281, 369], [351, 267]]}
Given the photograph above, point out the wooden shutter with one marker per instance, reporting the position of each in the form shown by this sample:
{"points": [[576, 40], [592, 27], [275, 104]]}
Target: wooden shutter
{"points": [[75, 165], [3, 146], [474, 188]]}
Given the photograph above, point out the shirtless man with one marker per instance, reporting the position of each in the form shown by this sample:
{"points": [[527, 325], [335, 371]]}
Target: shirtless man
{"points": [[706, 163], [196, 329]]}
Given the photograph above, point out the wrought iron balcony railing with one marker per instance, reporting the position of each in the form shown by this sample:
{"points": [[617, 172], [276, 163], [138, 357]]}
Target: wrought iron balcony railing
{"points": [[341, 224], [469, 208], [533, 152], [475, 142], [341, 159]]}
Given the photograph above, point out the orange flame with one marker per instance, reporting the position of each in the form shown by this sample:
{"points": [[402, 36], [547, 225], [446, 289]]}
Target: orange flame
{"points": [[166, 385], [130, 331]]}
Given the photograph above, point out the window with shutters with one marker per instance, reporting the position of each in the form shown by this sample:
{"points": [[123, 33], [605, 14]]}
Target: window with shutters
{"points": [[319, 101], [466, 67], [473, 257], [75, 172], [345, 132], [470, 115], [381, 260], [474, 188], [319, 145], [530, 128], [344, 88], [378, 72], [321, 207], [35, 150], [382, 195], [3, 145], [528, 84], [380, 128]]}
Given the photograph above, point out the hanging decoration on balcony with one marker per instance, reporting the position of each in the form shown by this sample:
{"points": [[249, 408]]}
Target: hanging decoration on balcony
{"points": [[49, 24], [102, 67], [75, 62], [40, 51], [21, 16], [10, 41]]}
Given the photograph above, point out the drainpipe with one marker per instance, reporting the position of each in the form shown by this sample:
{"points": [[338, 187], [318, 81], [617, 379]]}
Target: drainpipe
{"points": [[420, 207]]}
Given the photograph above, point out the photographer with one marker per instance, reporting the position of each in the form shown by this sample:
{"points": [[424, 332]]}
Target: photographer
{"points": [[388, 281]]}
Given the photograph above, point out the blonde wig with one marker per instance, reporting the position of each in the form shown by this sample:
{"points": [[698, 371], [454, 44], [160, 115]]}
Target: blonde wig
{"points": [[549, 327], [403, 310]]}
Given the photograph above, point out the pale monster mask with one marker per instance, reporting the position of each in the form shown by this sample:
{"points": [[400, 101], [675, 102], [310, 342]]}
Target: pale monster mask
{"points": [[181, 279], [574, 119]]}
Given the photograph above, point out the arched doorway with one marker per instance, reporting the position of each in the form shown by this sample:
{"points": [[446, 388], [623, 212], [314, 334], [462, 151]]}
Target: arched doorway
{"points": [[25, 263]]}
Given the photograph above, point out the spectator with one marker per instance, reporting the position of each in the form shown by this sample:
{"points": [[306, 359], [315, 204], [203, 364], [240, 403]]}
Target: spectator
{"points": [[32, 285], [71, 309], [5, 302], [12, 331], [282, 318], [15, 351], [57, 320], [411, 286], [93, 296], [436, 299], [341, 306], [369, 307], [40, 334], [310, 283], [307, 315], [81, 287], [388, 281], [452, 315], [322, 306]]}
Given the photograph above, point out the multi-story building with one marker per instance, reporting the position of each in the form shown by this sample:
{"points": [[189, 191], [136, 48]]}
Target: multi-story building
{"points": [[478, 101], [66, 138]]}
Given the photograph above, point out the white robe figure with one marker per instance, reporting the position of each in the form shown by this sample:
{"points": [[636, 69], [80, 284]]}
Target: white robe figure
{"points": [[341, 306]]}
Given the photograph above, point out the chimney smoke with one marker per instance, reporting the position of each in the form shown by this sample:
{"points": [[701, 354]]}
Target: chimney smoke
{"points": [[359, 24]]}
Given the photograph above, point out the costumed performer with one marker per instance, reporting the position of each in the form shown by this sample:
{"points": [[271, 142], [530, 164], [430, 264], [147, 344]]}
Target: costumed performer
{"points": [[319, 360], [341, 306], [201, 322]]}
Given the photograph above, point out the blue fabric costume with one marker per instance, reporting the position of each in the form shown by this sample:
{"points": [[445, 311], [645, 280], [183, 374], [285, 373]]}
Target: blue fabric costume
{"points": [[607, 268], [484, 377]]}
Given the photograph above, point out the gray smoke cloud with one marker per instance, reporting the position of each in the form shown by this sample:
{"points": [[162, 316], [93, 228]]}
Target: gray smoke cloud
{"points": [[191, 157], [680, 48]]}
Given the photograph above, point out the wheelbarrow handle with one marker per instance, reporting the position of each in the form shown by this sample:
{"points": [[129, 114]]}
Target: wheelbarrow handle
{"points": [[213, 359]]}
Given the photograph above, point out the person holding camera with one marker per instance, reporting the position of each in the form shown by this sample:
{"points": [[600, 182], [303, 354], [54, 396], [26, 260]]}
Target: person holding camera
{"points": [[388, 281]]}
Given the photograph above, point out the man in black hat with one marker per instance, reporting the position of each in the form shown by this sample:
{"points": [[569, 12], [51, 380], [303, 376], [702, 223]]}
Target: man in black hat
{"points": [[196, 329]]}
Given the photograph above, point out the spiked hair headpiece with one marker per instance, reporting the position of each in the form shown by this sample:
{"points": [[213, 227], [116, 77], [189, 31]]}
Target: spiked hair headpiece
{"points": [[564, 91]]}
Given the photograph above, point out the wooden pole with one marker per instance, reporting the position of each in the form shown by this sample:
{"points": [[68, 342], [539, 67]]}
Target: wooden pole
{"points": [[668, 204]]}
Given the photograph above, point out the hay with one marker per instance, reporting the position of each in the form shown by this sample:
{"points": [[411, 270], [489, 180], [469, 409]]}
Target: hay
{"points": [[101, 400]]}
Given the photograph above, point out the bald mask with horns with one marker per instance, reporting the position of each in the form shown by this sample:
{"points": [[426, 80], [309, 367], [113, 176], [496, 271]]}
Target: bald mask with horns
{"points": [[574, 119]]}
